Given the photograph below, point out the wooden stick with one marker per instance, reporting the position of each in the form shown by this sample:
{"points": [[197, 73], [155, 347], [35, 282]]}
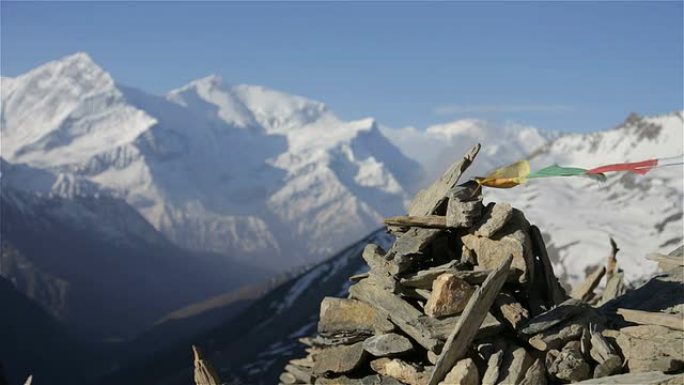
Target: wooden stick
{"points": [[673, 321], [469, 323], [427, 221]]}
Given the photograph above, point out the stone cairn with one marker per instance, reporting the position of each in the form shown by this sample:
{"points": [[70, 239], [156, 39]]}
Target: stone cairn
{"points": [[467, 295]]}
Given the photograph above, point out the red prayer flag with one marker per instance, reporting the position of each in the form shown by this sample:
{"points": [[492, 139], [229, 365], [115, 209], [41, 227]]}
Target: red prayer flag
{"points": [[636, 167]]}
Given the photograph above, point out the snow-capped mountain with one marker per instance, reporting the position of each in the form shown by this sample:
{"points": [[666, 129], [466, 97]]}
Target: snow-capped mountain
{"points": [[280, 180], [643, 213], [242, 170], [577, 215]]}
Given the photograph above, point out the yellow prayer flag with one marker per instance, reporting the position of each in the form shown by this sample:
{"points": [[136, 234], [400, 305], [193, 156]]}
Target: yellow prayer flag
{"points": [[507, 177]]}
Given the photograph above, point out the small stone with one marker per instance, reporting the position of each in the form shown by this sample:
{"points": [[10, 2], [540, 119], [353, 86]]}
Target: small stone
{"points": [[610, 366], [339, 315], [494, 219], [387, 344], [432, 357], [535, 374], [512, 239], [463, 214], [450, 295], [515, 363], [400, 370], [569, 366], [338, 359], [287, 378], [463, 373]]}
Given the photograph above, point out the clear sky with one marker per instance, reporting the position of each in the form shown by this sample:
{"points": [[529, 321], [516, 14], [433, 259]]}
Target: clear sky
{"points": [[557, 65]]}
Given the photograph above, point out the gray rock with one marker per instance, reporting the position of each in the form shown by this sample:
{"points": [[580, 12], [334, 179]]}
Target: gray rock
{"points": [[494, 218], [463, 214], [512, 239], [568, 365], [651, 347], [387, 344], [450, 295], [340, 315], [339, 359]]}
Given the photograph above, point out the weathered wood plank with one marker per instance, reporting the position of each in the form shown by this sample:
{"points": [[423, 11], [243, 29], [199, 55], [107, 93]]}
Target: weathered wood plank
{"points": [[428, 200], [426, 221], [468, 324], [673, 321]]}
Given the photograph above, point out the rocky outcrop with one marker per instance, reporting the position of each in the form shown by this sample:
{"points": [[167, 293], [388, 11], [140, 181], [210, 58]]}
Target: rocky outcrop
{"points": [[467, 295]]}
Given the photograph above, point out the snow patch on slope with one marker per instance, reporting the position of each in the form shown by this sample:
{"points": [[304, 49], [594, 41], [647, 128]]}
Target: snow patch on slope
{"points": [[642, 213]]}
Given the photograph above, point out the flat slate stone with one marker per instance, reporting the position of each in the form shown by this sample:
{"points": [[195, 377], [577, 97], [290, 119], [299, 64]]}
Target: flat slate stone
{"points": [[339, 315], [387, 344], [339, 359], [494, 218]]}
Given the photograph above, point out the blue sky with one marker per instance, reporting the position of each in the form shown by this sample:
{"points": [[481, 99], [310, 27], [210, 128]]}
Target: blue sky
{"points": [[557, 65]]}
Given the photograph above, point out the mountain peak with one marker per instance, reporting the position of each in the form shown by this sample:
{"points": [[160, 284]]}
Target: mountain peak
{"points": [[75, 70], [212, 80], [78, 57]]}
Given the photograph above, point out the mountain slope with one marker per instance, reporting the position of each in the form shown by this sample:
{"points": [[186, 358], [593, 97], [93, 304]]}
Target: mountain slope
{"points": [[93, 262], [272, 178], [33, 343], [642, 213], [253, 346]]}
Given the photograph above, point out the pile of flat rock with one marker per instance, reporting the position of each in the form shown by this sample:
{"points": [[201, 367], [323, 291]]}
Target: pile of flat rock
{"points": [[467, 295]]}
